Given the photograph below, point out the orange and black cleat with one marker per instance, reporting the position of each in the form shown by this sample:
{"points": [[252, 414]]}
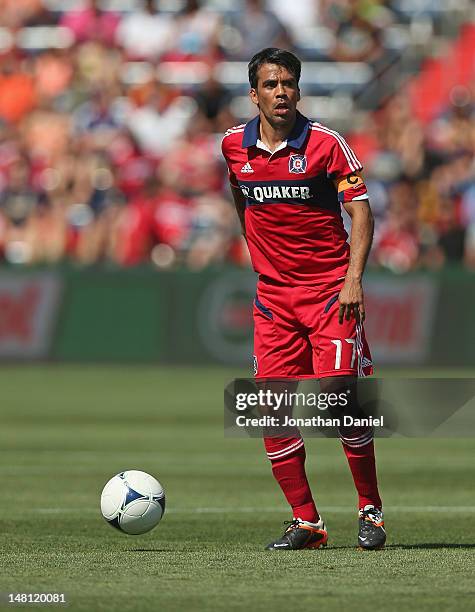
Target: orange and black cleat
{"points": [[372, 535], [301, 534]]}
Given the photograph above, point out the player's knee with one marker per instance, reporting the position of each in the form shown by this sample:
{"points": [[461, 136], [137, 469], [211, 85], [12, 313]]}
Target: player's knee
{"points": [[353, 431], [280, 449], [355, 437]]}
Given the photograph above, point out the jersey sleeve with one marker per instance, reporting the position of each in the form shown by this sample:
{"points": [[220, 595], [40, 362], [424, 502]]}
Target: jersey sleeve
{"points": [[225, 151], [341, 158], [344, 168]]}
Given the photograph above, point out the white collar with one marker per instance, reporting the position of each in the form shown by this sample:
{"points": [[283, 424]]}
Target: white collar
{"points": [[261, 145]]}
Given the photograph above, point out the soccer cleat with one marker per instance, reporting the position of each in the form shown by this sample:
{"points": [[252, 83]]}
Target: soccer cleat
{"points": [[301, 534], [372, 535]]}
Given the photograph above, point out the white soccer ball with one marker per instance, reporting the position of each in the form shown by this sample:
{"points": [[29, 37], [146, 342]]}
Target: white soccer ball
{"points": [[133, 502]]}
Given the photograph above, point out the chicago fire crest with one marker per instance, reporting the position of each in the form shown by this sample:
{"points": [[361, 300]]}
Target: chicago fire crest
{"points": [[297, 164]]}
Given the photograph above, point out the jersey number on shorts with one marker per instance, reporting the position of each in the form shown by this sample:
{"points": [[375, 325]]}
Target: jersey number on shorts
{"points": [[338, 345]]}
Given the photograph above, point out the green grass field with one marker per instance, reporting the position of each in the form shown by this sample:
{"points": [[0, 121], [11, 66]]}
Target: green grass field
{"points": [[66, 430]]}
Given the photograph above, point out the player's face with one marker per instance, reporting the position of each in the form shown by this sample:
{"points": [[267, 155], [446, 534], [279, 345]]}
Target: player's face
{"points": [[277, 94]]}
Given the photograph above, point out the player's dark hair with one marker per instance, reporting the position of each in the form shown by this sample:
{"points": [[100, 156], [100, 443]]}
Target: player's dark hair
{"points": [[272, 55]]}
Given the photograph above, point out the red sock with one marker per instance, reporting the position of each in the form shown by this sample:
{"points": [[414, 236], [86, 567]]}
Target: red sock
{"points": [[287, 456], [363, 469]]}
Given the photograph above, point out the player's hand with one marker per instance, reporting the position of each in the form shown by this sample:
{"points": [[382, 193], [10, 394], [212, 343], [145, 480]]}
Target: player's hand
{"points": [[351, 300]]}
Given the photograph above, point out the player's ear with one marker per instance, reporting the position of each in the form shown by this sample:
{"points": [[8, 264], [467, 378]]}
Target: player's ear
{"points": [[298, 94], [253, 96]]}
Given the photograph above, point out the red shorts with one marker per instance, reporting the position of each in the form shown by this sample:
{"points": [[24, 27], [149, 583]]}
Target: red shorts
{"points": [[297, 334]]}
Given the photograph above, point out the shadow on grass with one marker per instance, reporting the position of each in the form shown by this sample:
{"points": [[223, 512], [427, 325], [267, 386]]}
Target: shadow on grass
{"points": [[431, 545], [425, 546]]}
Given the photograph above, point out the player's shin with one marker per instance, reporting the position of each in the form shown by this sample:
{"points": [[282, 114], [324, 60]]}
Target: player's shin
{"points": [[357, 441], [286, 452], [362, 464], [287, 457]]}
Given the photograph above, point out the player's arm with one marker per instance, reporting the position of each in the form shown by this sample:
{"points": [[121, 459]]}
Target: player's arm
{"points": [[240, 204], [238, 196], [356, 204]]}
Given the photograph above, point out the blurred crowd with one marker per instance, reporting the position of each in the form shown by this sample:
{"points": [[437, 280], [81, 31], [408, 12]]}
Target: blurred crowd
{"points": [[102, 160], [421, 179]]}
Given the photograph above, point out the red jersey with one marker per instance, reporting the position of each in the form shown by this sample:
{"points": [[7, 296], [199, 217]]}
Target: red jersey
{"points": [[294, 227]]}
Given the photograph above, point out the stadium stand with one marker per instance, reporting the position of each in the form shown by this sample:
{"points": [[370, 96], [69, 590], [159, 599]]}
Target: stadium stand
{"points": [[111, 115]]}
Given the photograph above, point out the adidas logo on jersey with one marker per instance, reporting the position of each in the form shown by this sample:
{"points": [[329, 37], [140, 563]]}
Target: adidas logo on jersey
{"points": [[365, 362], [247, 169]]}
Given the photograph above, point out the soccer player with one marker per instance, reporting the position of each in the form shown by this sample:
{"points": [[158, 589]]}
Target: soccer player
{"points": [[289, 177]]}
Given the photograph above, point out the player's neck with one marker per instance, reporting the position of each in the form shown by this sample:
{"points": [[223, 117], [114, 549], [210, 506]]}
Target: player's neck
{"points": [[274, 135]]}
